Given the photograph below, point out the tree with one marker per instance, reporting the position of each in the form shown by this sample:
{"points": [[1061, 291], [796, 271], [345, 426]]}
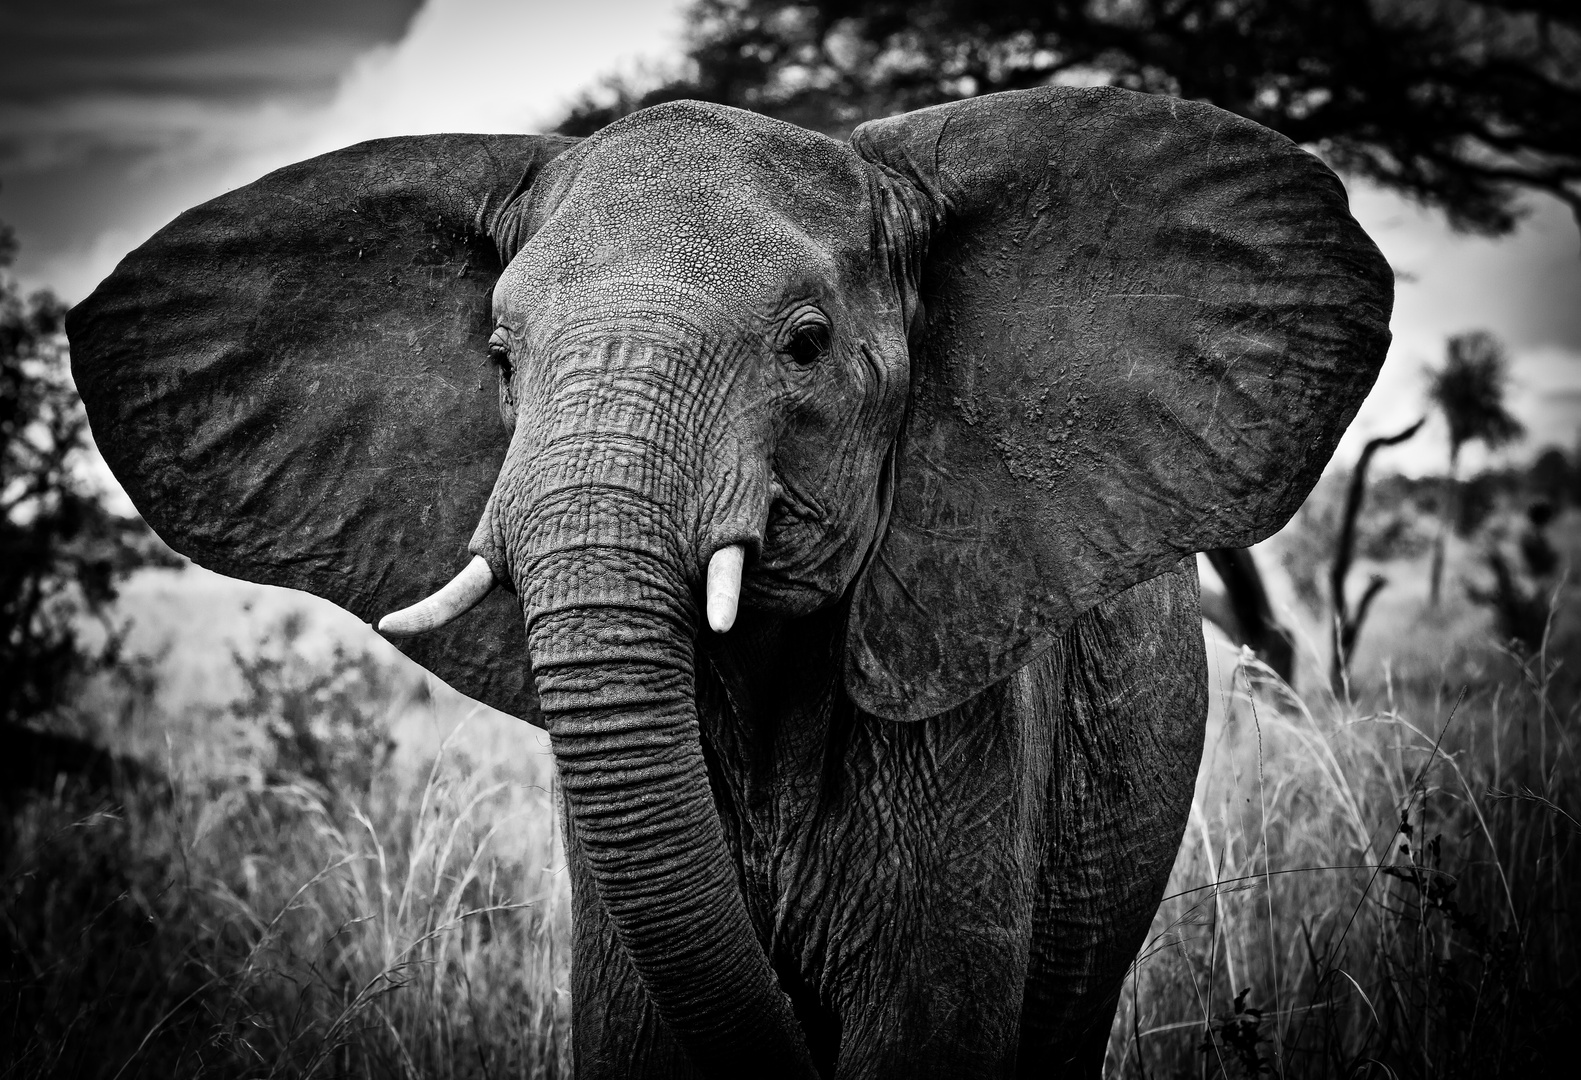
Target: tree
{"points": [[1469, 391], [1244, 613], [1459, 104], [1553, 479], [1347, 621], [62, 553]]}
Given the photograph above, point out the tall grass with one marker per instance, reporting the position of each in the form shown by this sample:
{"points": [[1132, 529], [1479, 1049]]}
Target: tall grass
{"points": [[238, 926], [1371, 890], [1376, 883]]}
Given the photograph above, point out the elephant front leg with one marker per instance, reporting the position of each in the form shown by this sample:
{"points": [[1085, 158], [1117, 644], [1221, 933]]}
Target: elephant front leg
{"points": [[1128, 686], [911, 905]]}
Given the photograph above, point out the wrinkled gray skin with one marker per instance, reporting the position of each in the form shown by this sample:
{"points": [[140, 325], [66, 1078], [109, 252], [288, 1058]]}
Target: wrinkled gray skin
{"points": [[956, 897], [969, 391]]}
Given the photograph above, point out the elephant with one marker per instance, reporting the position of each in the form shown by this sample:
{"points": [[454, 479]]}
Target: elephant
{"points": [[831, 504]]}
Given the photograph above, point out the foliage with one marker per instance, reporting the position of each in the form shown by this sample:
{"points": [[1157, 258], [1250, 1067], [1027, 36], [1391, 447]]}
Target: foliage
{"points": [[225, 927], [62, 553], [1469, 390], [1235, 1040], [1459, 104], [324, 720], [1476, 499], [1553, 479], [1524, 589]]}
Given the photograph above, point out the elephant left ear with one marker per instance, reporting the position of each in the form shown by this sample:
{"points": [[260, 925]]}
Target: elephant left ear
{"points": [[1148, 322]]}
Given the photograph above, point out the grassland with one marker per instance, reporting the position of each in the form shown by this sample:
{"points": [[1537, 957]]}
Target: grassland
{"points": [[345, 869]]}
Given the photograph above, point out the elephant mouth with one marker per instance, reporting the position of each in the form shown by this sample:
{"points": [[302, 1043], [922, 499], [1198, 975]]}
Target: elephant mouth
{"points": [[797, 528], [807, 556]]}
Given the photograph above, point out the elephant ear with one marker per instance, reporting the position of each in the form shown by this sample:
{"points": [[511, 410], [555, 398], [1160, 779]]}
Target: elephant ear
{"points": [[1148, 322], [291, 382]]}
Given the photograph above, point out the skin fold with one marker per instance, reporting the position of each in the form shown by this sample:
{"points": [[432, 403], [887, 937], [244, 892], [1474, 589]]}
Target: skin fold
{"points": [[960, 398]]}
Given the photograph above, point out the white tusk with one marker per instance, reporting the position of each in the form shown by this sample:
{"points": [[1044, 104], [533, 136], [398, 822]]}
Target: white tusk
{"points": [[454, 600], [724, 586]]}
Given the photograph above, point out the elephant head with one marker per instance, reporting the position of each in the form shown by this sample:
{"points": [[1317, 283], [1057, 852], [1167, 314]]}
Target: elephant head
{"points": [[962, 378]]}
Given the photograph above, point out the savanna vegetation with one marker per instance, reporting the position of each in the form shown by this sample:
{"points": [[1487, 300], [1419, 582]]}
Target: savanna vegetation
{"points": [[326, 864], [262, 844], [339, 871], [332, 866]]}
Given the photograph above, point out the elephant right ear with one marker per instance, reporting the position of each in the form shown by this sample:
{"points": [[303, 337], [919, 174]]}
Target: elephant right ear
{"points": [[1147, 323], [291, 382]]}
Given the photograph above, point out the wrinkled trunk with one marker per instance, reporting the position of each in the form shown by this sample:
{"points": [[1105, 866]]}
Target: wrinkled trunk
{"points": [[611, 625]]}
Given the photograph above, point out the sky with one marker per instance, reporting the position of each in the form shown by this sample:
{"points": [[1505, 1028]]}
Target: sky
{"points": [[116, 115]]}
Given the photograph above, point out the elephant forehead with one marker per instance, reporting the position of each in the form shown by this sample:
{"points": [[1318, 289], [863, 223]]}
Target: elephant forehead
{"points": [[701, 197], [728, 242]]}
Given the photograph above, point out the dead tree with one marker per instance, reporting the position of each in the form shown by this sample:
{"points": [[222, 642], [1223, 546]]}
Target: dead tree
{"points": [[1246, 616], [1346, 624]]}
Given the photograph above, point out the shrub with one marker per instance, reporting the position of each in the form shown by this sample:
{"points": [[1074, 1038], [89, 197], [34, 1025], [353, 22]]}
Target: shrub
{"points": [[323, 722], [62, 553]]}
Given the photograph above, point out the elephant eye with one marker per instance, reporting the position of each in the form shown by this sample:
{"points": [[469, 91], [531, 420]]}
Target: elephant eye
{"points": [[500, 355], [808, 344]]}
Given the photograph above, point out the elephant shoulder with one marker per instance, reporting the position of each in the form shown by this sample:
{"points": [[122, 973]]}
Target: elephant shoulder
{"points": [[1137, 652]]}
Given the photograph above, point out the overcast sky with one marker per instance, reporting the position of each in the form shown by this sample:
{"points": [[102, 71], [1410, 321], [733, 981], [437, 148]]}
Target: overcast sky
{"points": [[116, 115]]}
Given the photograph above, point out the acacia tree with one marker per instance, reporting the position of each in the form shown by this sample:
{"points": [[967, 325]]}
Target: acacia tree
{"points": [[1459, 104], [1469, 391]]}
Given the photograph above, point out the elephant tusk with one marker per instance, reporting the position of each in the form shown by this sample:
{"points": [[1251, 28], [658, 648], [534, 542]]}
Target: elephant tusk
{"points": [[458, 597], [724, 587]]}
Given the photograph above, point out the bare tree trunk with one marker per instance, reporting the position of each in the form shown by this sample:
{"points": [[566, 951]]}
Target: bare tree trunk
{"points": [[1448, 513], [1250, 619], [1346, 624]]}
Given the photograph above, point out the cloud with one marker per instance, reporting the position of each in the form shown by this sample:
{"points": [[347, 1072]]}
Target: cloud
{"points": [[72, 132], [235, 50], [492, 66], [1544, 393], [1525, 289], [130, 161], [464, 65]]}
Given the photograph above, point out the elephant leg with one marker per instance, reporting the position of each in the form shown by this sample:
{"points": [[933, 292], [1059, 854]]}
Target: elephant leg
{"points": [[615, 1031], [1127, 686], [910, 908]]}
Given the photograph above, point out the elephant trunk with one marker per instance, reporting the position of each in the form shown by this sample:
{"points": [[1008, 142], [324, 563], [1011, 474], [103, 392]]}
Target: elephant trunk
{"points": [[611, 627]]}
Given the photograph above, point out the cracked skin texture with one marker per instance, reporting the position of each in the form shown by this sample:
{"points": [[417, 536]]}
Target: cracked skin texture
{"points": [[969, 389]]}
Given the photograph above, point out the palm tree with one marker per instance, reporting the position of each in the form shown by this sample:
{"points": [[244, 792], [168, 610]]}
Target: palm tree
{"points": [[1469, 390]]}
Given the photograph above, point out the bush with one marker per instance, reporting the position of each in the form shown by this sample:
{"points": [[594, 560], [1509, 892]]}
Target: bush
{"points": [[324, 723], [62, 553]]}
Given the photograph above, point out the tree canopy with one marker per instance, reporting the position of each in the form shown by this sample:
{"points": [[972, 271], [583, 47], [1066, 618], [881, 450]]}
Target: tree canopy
{"points": [[1459, 104], [1469, 391]]}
